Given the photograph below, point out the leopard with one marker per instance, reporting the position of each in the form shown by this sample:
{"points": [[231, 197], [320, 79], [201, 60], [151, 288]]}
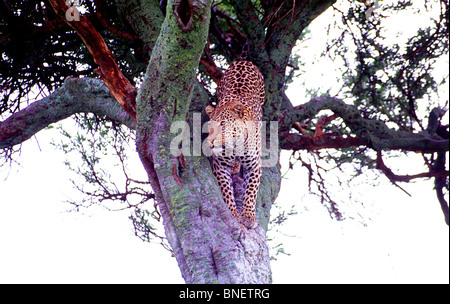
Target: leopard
{"points": [[234, 137]]}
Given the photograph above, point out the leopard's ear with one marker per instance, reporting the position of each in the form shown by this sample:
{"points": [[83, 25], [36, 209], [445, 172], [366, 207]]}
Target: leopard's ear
{"points": [[209, 111]]}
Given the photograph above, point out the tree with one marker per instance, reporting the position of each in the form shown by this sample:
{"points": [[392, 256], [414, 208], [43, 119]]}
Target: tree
{"points": [[158, 63]]}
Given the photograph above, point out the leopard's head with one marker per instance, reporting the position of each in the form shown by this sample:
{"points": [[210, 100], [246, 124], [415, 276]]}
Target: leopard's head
{"points": [[227, 127]]}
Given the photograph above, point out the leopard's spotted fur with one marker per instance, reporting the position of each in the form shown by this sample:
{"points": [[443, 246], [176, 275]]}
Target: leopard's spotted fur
{"points": [[235, 135]]}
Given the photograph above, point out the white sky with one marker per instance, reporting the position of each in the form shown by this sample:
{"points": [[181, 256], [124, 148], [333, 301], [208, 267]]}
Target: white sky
{"points": [[405, 240]]}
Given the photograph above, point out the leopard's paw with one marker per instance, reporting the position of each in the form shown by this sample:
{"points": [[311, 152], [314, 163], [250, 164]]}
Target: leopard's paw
{"points": [[248, 221]]}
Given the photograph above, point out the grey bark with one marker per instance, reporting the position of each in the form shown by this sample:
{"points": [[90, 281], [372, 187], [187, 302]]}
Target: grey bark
{"points": [[208, 243], [76, 95]]}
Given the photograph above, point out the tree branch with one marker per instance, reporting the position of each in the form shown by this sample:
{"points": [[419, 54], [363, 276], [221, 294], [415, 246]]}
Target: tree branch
{"points": [[440, 183], [144, 17], [100, 9], [372, 133], [437, 171], [254, 30], [287, 21], [298, 141], [442, 173], [211, 69], [74, 96], [118, 84]]}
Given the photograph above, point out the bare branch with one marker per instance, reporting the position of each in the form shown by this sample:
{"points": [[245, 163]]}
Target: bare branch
{"points": [[372, 133], [74, 96], [440, 183], [406, 178], [437, 171]]}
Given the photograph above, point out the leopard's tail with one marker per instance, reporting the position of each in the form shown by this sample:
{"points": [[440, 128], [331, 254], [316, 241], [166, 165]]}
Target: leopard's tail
{"points": [[244, 53]]}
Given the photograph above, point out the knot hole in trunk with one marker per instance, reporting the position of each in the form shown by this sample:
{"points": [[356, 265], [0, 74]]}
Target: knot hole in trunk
{"points": [[183, 11]]}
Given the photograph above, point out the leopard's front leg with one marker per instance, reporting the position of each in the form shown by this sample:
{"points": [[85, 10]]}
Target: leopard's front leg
{"points": [[252, 177], [223, 175]]}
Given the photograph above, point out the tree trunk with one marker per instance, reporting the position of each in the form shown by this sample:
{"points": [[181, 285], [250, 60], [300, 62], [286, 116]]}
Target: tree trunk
{"points": [[209, 244]]}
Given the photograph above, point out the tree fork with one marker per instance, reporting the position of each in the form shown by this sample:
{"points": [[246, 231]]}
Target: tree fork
{"points": [[208, 243]]}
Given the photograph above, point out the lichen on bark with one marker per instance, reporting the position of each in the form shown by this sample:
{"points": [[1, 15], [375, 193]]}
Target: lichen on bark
{"points": [[207, 241]]}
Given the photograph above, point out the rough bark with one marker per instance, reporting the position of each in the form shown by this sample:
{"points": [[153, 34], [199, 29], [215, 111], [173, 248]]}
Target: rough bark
{"points": [[76, 95], [208, 243], [372, 133]]}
